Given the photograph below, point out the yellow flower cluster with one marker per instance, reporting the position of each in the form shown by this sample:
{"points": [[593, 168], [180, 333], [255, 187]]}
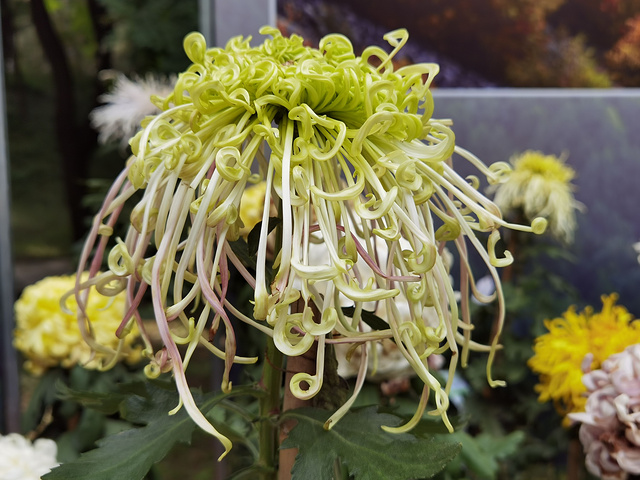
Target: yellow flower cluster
{"points": [[252, 206], [48, 336], [560, 354], [541, 186]]}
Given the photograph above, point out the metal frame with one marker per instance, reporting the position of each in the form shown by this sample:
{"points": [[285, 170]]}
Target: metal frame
{"points": [[222, 19], [9, 380]]}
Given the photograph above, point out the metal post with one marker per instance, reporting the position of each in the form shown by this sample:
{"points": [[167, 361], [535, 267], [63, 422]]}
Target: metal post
{"points": [[9, 382], [206, 20], [222, 19]]}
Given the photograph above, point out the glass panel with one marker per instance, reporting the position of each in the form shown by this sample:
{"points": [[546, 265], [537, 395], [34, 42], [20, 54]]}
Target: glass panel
{"points": [[597, 130]]}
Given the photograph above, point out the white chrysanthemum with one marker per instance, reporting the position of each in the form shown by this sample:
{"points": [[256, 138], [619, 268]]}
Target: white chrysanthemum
{"points": [[126, 105], [386, 361], [22, 460]]}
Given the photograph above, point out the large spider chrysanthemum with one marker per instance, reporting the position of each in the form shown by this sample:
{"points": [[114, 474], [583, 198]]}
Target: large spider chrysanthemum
{"points": [[354, 162]]}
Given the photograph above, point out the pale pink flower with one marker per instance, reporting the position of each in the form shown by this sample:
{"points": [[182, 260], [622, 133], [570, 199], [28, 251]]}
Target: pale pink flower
{"points": [[610, 424]]}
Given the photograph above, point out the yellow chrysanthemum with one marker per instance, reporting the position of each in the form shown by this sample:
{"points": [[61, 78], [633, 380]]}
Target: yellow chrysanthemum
{"points": [[47, 336], [559, 354], [541, 186], [252, 206]]}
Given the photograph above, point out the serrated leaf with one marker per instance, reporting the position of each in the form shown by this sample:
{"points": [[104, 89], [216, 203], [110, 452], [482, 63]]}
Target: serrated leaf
{"points": [[370, 318], [131, 453], [367, 451], [481, 454], [150, 400], [475, 458], [434, 426], [404, 408], [107, 403], [502, 447]]}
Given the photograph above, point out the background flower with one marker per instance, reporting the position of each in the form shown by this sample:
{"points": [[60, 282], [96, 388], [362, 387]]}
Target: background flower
{"points": [[576, 338], [251, 207], [127, 104], [22, 460], [541, 186], [636, 247], [610, 430], [47, 336]]}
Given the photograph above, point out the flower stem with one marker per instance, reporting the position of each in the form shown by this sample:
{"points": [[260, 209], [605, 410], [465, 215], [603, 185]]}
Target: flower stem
{"points": [[269, 406], [575, 458]]}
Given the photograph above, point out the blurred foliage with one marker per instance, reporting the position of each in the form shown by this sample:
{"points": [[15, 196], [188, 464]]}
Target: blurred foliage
{"points": [[624, 57], [560, 61], [146, 35], [481, 455], [60, 416], [74, 26], [136, 37], [528, 43]]}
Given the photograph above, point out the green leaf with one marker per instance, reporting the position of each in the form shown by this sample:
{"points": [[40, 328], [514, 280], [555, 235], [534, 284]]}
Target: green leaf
{"points": [[246, 251], [367, 451], [241, 249], [481, 454], [44, 395], [107, 403], [475, 458], [253, 239], [131, 453], [501, 447], [89, 429], [150, 400], [367, 317]]}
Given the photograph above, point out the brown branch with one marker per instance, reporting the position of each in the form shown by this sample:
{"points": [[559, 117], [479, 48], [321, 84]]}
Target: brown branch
{"points": [[305, 363]]}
